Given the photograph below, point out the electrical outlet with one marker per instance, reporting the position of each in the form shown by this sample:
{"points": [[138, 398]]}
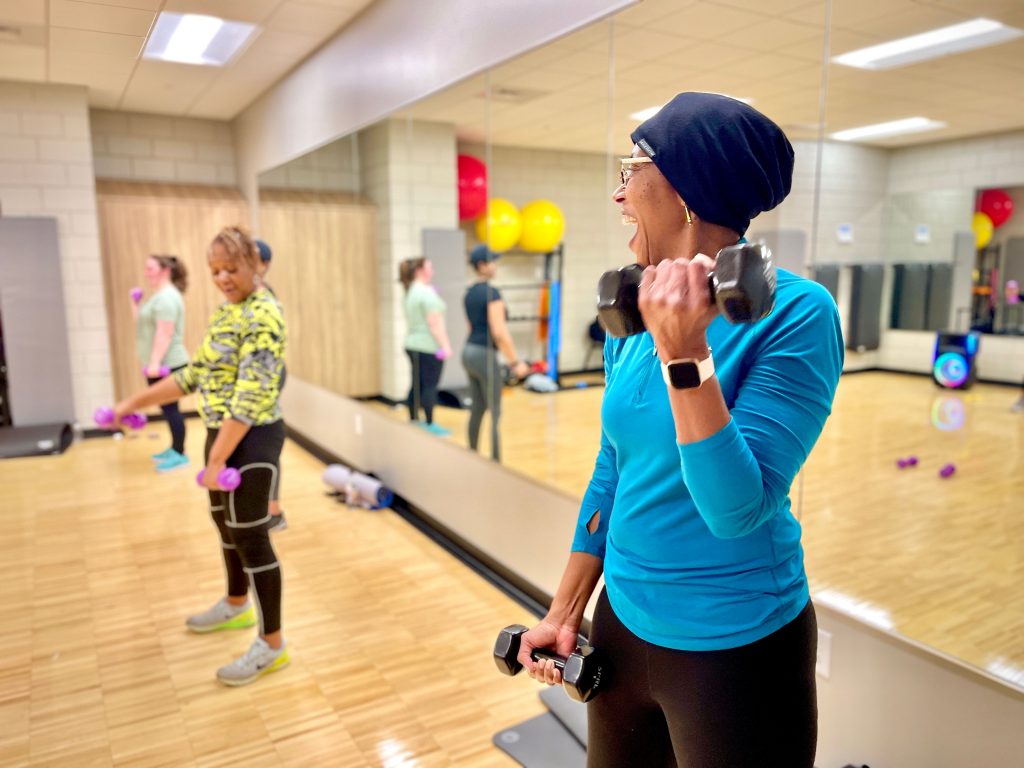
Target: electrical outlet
{"points": [[824, 665], [359, 424]]}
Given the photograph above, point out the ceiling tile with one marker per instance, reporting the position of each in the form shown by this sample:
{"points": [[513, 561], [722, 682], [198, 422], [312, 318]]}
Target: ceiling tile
{"points": [[705, 22], [96, 70], [84, 41], [23, 62], [23, 12], [146, 5], [100, 18], [253, 11], [164, 88], [308, 19]]}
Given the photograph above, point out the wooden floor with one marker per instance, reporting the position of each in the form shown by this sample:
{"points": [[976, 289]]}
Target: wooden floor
{"points": [[940, 561], [101, 560]]}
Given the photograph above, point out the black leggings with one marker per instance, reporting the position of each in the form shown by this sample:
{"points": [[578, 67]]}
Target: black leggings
{"points": [[242, 519], [426, 373], [175, 421], [749, 707]]}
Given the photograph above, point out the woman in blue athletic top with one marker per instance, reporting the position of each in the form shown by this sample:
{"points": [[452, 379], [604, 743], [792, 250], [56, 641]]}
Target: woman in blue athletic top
{"points": [[705, 617]]}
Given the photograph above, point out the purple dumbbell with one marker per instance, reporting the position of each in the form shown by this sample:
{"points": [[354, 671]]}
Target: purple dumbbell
{"points": [[104, 417], [947, 470], [161, 372], [228, 478], [136, 294]]}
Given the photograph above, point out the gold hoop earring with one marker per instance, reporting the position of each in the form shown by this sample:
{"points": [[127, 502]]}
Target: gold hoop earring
{"points": [[689, 219]]}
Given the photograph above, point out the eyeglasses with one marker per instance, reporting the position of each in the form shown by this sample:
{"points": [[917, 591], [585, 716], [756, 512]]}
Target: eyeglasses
{"points": [[628, 166]]}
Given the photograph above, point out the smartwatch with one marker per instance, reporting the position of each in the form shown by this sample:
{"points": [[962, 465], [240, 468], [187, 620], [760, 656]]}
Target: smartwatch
{"points": [[688, 372]]}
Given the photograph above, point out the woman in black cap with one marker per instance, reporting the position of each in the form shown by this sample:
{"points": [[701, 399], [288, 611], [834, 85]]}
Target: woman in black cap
{"points": [[705, 618], [488, 333]]}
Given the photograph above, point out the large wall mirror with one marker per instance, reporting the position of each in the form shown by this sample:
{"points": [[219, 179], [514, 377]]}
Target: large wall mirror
{"points": [[934, 559], [911, 498]]}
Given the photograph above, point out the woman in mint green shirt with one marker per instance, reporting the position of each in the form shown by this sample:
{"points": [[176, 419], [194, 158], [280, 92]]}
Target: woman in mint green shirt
{"points": [[426, 339], [159, 330]]}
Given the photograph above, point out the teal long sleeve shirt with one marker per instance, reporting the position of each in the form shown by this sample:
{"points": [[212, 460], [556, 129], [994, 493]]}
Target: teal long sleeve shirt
{"points": [[701, 550]]}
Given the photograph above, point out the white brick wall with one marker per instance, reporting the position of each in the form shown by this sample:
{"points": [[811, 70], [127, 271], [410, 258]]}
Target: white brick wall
{"points": [[408, 169], [46, 170], [131, 146], [333, 168]]}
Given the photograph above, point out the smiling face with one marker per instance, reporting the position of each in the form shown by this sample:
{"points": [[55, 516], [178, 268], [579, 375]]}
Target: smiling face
{"points": [[649, 202], [234, 276]]}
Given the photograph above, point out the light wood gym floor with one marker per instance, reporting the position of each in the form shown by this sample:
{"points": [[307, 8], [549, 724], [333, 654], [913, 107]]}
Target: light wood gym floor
{"points": [[938, 560], [102, 559]]}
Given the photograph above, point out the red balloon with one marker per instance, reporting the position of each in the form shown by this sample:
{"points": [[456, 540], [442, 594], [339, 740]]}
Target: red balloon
{"points": [[997, 205], [472, 187]]}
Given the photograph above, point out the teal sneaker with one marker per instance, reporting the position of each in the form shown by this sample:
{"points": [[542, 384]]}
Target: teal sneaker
{"points": [[163, 455], [436, 429], [174, 461]]}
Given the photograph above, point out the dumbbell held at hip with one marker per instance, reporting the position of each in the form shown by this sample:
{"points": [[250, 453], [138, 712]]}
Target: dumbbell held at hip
{"points": [[228, 478], [161, 372], [104, 417], [742, 286], [581, 670]]}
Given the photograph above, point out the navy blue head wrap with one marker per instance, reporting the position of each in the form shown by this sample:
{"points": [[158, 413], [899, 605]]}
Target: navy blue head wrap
{"points": [[265, 252], [725, 159]]}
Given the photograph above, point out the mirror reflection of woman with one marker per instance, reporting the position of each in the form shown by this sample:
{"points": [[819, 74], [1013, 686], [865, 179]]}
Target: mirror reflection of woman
{"points": [[237, 374], [159, 330], [488, 334], [426, 339]]}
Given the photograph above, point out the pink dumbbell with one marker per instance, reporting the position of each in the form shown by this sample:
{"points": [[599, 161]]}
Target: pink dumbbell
{"points": [[136, 294], [163, 371], [228, 478], [104, 417]]}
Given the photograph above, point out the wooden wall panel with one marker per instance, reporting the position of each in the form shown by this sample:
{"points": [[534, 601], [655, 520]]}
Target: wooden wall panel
{"points": [[137, 220], [325, 274]]}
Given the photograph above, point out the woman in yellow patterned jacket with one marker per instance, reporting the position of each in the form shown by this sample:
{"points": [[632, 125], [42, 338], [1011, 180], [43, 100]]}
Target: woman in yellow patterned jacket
{"points": [[237, 375]]}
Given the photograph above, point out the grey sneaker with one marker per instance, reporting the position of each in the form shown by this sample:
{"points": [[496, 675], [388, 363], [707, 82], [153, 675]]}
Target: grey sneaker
{"points": [[259, 660], [222, 615], [1018, 406], [277, 522]]}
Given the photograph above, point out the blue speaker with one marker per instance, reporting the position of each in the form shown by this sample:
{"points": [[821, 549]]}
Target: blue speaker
{"points": [[953, 361]]}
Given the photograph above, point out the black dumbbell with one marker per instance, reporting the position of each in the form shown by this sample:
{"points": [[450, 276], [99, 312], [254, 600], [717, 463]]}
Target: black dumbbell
{"points": [[581, 671], [742, 285]]}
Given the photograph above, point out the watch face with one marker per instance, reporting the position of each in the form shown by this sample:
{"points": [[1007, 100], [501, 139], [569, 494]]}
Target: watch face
{"points": [[684, 375]]}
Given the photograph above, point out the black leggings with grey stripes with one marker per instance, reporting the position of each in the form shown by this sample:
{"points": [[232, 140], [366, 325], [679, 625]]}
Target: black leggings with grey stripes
{"points": [[749, 707], [243, 521]]}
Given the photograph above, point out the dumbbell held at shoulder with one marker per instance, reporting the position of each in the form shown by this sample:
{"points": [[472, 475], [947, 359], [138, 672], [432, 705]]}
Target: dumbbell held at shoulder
{"points": [[741, 287]]}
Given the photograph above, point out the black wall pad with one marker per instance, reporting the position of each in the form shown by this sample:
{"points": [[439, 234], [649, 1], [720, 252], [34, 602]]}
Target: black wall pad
{"points": [[828, 276], [940, 296], [39, 440], [863, 329], [909, 296], [541, 742]]}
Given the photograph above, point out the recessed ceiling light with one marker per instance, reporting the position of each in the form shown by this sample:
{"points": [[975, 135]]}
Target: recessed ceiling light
{"points": [[191, 38], [645, 114], [891, 128], [957, 38]]}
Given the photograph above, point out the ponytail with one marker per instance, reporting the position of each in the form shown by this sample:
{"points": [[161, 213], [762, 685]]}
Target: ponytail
{"points": [[179, 275], [407, 271]]}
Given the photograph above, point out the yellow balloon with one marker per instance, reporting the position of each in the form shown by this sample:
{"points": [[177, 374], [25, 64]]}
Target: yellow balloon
{"points": [[499, 227], [543, 225], [983, 228]]}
